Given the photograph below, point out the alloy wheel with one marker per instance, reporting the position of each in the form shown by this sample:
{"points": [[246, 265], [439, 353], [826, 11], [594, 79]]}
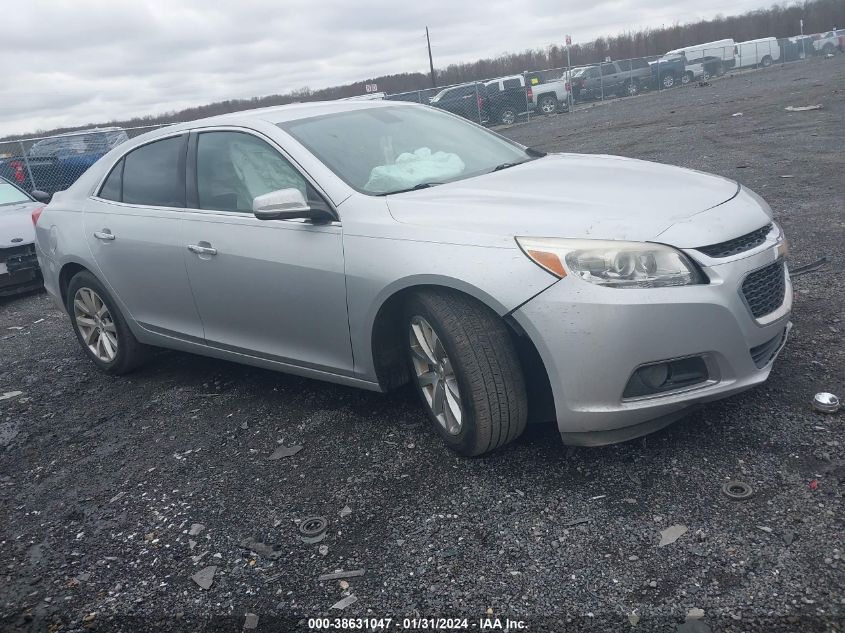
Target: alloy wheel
{"points": [[95, 324], [548, 106], [436, 375], [508, 117]]}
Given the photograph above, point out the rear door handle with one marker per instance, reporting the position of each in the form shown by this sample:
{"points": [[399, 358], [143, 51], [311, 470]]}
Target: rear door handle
{"points": [[105, 234], [202, 250]]}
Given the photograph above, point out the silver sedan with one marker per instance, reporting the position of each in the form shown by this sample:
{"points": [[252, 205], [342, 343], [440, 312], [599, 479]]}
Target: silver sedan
{"points": [[379, 243]]}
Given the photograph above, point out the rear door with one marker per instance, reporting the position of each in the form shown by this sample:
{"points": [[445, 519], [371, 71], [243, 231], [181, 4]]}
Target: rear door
{"points": [[274, 289], [133, 225]]}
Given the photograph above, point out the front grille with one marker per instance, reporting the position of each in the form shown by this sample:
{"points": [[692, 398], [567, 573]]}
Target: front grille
{"points": [[738, 244], [19, 258], [12, 251], [764, 289], [763, 354]]}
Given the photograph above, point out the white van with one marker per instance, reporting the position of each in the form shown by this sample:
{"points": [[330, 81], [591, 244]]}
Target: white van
{"points": [[763, 52], [715, 56]]}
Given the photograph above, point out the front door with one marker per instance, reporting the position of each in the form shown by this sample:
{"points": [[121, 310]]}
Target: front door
{"points": [[274, 289]]}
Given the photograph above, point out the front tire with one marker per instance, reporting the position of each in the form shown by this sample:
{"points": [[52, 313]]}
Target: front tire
{"points": [[507, 116], [466, 370], [100, 327], [668, 80], [687, 77]]}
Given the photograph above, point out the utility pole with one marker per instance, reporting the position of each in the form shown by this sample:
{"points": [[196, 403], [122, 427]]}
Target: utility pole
{"points": [[430, 62]]}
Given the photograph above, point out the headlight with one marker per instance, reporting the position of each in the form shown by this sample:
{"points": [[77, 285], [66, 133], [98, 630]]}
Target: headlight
{"points": [[613, 264]]}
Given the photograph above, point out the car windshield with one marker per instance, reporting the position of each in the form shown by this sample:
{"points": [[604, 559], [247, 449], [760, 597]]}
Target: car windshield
{"points": [[11, 195], [385, 150]]}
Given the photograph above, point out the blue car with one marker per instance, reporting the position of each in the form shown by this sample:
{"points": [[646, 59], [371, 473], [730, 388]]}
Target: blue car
{"points": [[53, 164]]}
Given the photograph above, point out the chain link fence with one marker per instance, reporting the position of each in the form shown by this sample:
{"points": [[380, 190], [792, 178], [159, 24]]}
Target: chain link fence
{"points": [[512, 98], [53, 163]]}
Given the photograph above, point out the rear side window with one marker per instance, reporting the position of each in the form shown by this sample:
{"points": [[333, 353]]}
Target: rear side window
{"points": [[608, 69], [112, 188], [154, 174], [512, 83]]}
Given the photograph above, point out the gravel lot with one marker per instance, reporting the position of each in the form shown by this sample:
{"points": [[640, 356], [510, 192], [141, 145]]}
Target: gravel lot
{"points": [[102, 478]]}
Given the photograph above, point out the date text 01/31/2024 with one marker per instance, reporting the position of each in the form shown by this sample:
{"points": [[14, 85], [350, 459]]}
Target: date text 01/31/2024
{"points": [[417, 624]]}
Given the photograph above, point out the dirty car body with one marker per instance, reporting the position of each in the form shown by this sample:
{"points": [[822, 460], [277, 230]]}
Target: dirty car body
{"points": [[18, 263], [609, 294]]}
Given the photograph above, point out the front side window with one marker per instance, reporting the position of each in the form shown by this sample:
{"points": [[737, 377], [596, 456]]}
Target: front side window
{"points": [[154, 174], [233, 168], [10, 194], [386, 149]]}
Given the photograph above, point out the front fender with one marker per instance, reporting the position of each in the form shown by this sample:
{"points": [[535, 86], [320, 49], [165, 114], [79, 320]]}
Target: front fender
{"points": [[378, 268]]}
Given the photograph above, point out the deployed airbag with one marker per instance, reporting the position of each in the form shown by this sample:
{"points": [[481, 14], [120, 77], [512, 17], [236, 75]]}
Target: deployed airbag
{"points": [[415, 168]]}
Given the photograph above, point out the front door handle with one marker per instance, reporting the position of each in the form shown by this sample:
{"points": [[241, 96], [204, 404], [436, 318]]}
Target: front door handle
{"points": [[202, 250], [105, 234]]}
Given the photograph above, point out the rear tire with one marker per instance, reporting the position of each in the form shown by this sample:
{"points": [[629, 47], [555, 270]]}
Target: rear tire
{"points": [[548, 104], [631, 89], [767, 61], [466, 357], [95, 317], [687, 78], [668, 80]]}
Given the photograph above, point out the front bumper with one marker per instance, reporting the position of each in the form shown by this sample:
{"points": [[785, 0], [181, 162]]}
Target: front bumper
{"points": [[592, 339], [18, 270]]}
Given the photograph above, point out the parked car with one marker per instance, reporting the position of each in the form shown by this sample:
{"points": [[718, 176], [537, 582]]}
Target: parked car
{"points": [[466, 100], [669, 70], [718, 55], [621, 78], [509, 97], [18, 264], [55, 163], [506, 99], [828, 43], [762, 52], [548, 97], [795, 48], [374, 243]]}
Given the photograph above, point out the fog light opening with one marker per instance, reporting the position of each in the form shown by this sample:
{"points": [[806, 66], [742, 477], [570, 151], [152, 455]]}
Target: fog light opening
{"points": [[666, 376]]}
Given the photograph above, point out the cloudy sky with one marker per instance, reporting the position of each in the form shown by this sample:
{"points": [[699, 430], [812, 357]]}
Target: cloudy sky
{"points": [[71, 62]]}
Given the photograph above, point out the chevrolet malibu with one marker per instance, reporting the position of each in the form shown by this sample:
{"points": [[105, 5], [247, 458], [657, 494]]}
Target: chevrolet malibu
{"points": [[374, 244]]}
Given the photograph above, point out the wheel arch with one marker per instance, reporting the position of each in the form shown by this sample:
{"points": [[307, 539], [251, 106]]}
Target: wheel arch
{"points": [[67, 272], [387, 341]]}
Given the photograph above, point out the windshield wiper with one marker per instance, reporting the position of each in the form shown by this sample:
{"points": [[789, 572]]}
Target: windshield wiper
{"points": [[422, 185]]}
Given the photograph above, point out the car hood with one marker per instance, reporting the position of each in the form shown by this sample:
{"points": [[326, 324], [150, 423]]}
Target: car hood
{"points": [[16, 224], [579, 196]]}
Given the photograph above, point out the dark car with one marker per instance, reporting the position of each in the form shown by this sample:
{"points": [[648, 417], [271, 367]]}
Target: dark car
{"points": [[622, 78], [466, 100], [53, 164], [506, 99]]}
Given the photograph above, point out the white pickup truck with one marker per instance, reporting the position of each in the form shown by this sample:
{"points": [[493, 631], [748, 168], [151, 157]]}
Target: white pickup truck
{"points": [[548, 97]]}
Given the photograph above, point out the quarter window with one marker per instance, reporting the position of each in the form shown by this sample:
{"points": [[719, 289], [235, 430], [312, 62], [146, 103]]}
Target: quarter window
{"points": [[233, 168], [112, 187], [154, 174]]}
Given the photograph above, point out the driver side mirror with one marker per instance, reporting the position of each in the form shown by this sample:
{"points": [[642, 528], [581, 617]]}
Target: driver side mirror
{"points": [[40, 196], [288, 204]]}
